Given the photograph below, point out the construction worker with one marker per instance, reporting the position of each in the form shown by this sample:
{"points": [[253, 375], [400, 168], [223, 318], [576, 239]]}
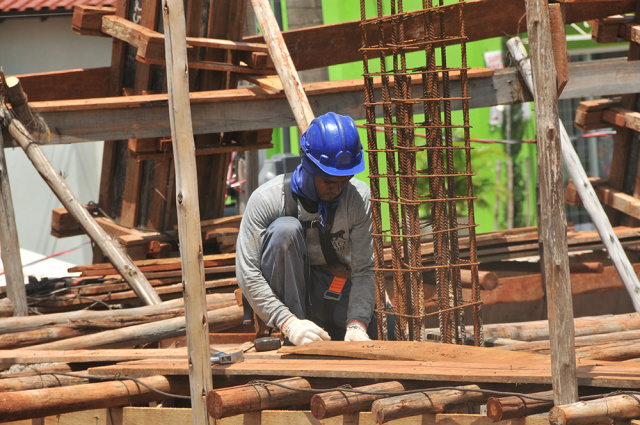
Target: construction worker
{"points": [[304, 255]]}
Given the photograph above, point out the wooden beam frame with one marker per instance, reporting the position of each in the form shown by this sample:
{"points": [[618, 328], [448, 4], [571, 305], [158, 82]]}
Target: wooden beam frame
{"points": [[128, 117]]}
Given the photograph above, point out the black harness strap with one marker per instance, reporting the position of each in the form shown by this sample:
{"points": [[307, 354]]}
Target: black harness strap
{"points": [[291, 210]]}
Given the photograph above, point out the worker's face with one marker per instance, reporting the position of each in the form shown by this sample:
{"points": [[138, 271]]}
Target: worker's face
{"points": [[328, 188]]}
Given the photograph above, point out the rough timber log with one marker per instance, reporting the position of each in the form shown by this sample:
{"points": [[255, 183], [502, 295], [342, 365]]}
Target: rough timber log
{"points": [[387, 409], [45, 380], [39, 403], [24, 324], [233, 401], [617, 351], [330, 404], [601, 411], [10, 246], [609, 346], [219, 320], [539, 329], [499, 409], [75, 328], [6, 307]]}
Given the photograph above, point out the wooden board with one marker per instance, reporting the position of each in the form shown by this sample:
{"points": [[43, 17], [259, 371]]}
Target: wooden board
{"points": [[10, 357], [419, 360], [129, 117], [135, 415], [597, 374]]}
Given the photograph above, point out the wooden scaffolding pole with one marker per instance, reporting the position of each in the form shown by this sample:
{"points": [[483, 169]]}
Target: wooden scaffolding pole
{"points": [[552, 217], [284, 65], [10, 246], [188, 208], [58, 184]]}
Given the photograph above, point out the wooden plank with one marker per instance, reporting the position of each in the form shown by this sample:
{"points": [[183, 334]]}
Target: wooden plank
{"points": [[589, 373], [610, 29], [154, 264], [128, 117], [87, 20], [68, 84], [608, 196], [27, 356], [621, 117], [133, 415]]}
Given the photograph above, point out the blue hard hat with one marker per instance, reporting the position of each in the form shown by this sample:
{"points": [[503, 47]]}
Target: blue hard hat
{"points": [[332, 142]]}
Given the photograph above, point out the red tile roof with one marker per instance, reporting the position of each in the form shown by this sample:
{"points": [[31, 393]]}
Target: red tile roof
{"points": [[38, 5]]}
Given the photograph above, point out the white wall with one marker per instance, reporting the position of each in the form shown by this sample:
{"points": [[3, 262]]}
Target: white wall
{"points": [[32, 45]]}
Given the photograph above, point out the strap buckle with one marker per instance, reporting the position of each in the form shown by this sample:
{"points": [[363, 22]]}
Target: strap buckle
{"points": [[332, 295]]}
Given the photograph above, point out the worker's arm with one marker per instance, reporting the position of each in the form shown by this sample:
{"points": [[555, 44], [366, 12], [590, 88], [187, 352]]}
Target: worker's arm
{"points": [[264, 206], [362, 299]]}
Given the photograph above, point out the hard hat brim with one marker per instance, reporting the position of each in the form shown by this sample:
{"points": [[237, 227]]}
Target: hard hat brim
{"points": [[356, 169]]}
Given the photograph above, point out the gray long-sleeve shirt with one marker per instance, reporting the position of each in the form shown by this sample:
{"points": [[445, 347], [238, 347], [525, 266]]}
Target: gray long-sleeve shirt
{"points": [[353, 245]]}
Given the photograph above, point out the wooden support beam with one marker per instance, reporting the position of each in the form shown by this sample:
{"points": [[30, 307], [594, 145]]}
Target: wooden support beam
{"points": [[602, 410], [340, 43], [231, 401], [128, 117], [608, 196], [59, 186], [197, 323], [387, 409], [559, 45], [611, 29], [9, 244], [284, 64], [552, 220]]}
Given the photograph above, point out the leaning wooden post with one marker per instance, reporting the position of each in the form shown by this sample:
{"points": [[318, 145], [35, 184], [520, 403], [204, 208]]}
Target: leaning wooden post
{"points": [[58, 184], [188, 208], [10, 245], [553, 222], [284, 65]]}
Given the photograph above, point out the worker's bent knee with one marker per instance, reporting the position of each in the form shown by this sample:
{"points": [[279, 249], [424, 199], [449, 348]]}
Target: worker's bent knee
{"points": [[284, 232]]}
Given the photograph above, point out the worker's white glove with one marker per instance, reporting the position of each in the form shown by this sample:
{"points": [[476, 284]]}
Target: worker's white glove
{"points": [[302, 332], [356, 332]]}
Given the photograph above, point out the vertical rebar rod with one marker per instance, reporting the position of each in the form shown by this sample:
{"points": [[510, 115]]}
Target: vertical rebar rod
{"points": [[428, 177]]}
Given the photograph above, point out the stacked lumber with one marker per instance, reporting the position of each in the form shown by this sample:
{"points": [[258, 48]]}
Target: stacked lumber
{"points": [[218, 234], [387, 380]]}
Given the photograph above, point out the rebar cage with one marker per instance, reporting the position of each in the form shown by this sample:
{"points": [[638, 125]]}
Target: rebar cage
{"points": [[420, 170]]}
